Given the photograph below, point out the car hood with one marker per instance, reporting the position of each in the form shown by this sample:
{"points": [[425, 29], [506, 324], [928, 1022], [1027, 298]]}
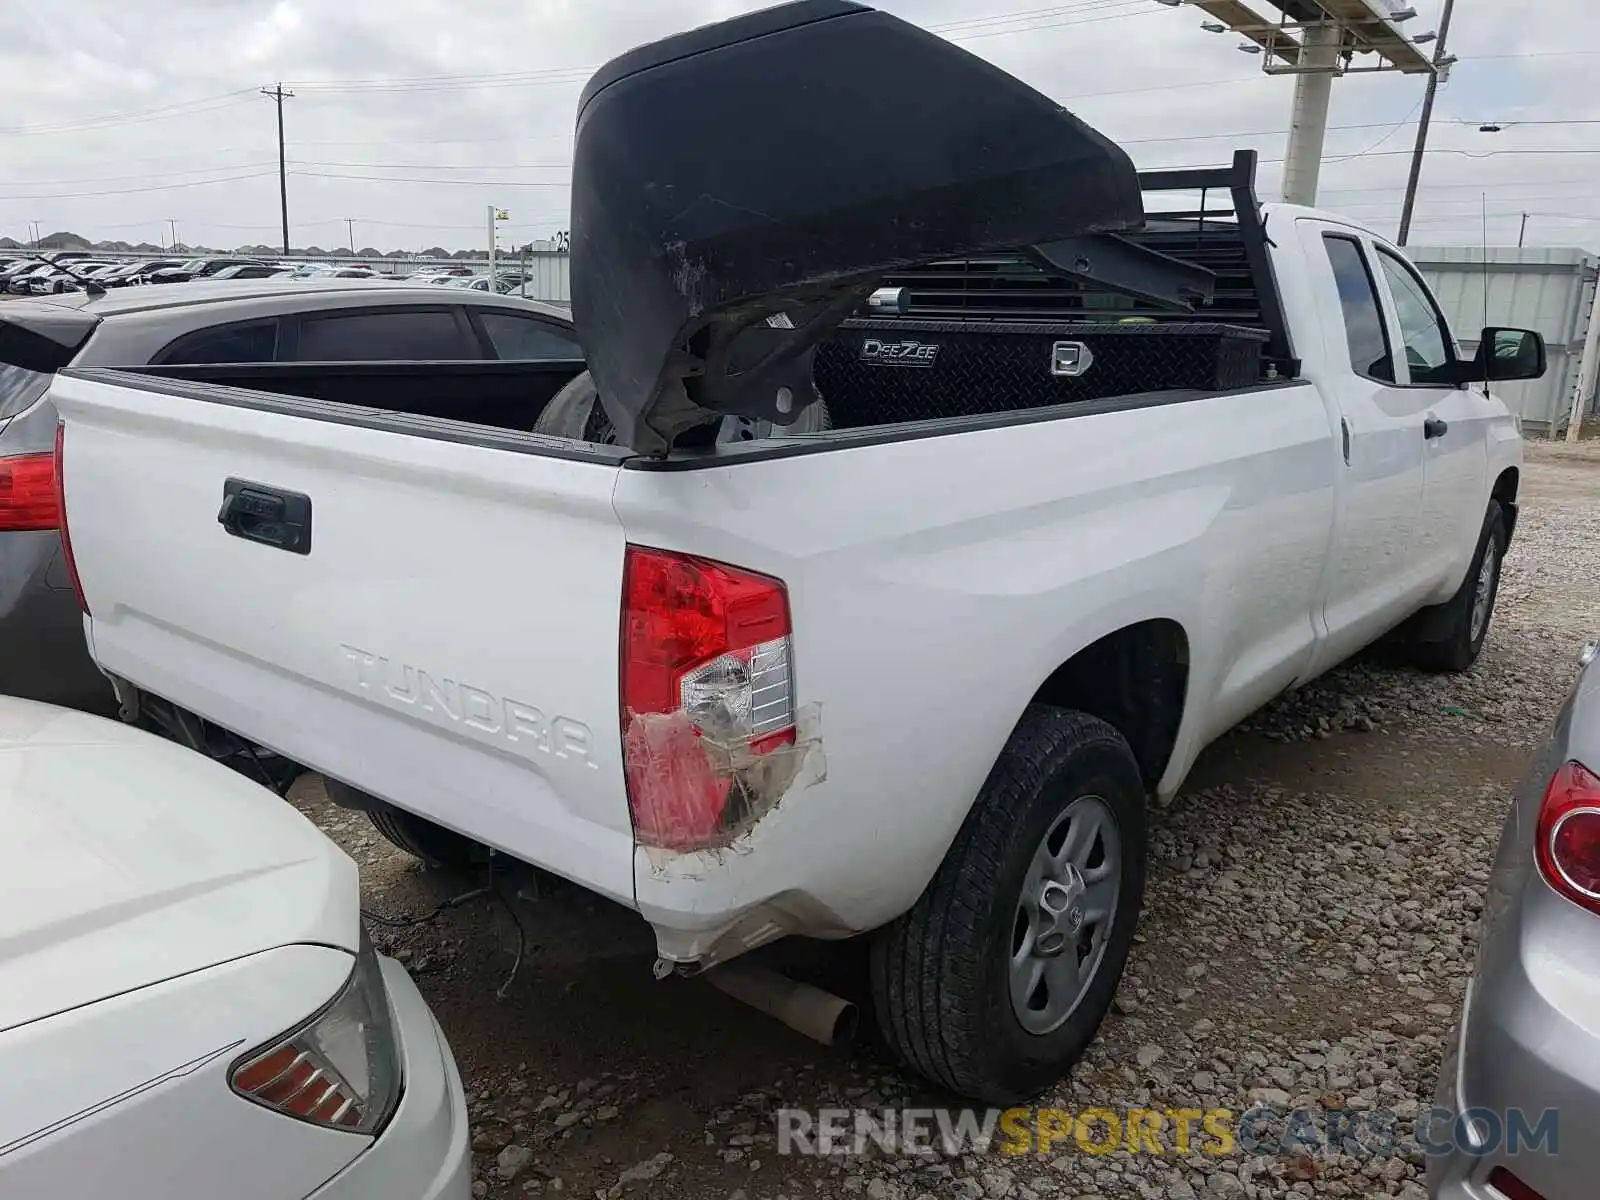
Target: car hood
{"points": [[127, 860]]}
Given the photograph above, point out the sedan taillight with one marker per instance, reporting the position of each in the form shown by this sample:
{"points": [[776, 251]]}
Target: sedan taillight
{"points": [[1568, 846], [341, 1069], [28, 493]]}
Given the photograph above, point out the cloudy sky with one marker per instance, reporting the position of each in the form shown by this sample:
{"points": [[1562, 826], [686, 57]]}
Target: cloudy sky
{"points": [[411, 116]]}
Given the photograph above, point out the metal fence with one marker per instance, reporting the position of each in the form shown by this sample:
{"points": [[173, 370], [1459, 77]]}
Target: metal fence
{"points": [[1550, 289]]}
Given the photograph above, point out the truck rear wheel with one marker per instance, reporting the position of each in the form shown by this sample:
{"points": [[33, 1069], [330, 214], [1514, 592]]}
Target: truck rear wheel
{"points": [[1450, 637], [421, 838], [417, 836], [994, 983]]}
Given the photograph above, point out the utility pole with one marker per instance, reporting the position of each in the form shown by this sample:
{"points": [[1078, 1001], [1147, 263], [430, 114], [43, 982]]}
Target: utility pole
{"points": [[350, 226], [1440, 62], [279, 95], [34, 226], [491, 244], [1588, 370], [173, 223]]}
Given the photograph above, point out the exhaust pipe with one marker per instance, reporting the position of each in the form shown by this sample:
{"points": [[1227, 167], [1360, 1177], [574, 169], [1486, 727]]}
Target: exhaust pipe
{"points": [[819, 1015]]}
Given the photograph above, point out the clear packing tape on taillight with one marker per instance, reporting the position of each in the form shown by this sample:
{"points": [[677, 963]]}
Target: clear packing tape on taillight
{"points": [[702, 778]]}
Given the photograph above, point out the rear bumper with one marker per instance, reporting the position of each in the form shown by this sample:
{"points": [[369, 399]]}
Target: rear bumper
{"points": [[423, 1152], [1525, 1060], [44, 654]]}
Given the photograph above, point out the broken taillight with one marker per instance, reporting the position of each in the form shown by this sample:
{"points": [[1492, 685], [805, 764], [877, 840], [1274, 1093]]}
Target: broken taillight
{"points": [[707, 694]]}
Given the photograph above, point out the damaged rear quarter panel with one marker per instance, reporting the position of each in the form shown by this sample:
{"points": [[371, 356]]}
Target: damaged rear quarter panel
{"points": [[936, 582]]}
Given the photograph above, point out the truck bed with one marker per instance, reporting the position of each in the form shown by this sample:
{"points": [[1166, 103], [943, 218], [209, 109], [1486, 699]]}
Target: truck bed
{"points": [[449, 641]]}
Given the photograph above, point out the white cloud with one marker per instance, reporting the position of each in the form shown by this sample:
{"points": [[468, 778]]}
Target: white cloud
{"points": [[119, 102]]}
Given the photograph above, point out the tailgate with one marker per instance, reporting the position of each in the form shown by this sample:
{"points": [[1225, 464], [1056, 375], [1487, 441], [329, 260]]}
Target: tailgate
{"points": [[424, 609]]}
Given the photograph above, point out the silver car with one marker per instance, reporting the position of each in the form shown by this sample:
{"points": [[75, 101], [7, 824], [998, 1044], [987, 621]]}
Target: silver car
{"points": [[1518, 1099]]}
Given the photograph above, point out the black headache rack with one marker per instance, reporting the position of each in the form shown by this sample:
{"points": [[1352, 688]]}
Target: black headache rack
{"points": [[1204, 265]]}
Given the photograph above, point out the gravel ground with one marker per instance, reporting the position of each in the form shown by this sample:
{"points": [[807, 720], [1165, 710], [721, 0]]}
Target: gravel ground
{"points": [[1307, 936]]}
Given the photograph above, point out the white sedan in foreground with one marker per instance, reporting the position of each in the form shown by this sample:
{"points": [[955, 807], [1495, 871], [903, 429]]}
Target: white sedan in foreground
{"points": [[188, 1003]]}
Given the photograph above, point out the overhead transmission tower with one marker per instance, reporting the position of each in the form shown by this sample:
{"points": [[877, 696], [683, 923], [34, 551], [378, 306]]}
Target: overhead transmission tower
{"points": [[1317, 41]]}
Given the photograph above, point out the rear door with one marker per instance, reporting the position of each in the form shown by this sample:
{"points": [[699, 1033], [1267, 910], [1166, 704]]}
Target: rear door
{"points": [[424, 609], [1372, 580]]}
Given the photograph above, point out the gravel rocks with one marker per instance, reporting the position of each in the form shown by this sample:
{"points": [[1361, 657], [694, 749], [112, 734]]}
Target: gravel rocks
{"points": [[510, 1162], [650, 1168]]}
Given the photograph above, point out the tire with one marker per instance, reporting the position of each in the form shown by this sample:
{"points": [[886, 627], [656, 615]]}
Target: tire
{"points": [[433, 844], [573, 412], [942, 973], [1450, 636]]}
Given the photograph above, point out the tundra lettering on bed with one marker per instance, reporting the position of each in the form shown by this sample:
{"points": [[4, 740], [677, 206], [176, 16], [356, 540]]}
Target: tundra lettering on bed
{"points": [[405, 686]]}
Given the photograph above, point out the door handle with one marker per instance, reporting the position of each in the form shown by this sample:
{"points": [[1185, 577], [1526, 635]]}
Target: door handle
{"points": [[271, 516], [1433, 427]]}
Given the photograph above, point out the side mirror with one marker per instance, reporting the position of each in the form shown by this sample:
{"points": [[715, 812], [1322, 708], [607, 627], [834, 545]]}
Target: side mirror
{"points": [[1506, 354]]}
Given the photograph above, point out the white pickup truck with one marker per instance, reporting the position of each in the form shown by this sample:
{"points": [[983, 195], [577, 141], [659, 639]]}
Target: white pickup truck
{"points": [[912, 676]]}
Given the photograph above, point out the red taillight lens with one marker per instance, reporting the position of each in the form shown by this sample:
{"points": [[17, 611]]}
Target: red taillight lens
{"points": [[1512, 1188], [706, 691], [1568, 847], [28, 493], [60, 484]]}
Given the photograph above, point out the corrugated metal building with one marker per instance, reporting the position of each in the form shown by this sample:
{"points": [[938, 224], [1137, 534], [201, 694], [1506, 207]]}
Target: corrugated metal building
{"points": [[1550, 289], [549, 276]]}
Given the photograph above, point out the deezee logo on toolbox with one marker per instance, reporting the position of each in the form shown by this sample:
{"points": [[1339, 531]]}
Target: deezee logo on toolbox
{"points": [[899, 354]]}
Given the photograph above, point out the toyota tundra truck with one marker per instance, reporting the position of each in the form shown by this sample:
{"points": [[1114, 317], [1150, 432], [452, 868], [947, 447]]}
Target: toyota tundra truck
{"points": [[1042, 474]]}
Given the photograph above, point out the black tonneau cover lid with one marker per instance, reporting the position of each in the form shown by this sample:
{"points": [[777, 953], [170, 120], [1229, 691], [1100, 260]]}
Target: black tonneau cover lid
{"points": [[739, 189]]}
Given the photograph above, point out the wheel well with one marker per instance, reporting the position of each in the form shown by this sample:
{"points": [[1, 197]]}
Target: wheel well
{"points": [[1505, 491], [1135, 679]]}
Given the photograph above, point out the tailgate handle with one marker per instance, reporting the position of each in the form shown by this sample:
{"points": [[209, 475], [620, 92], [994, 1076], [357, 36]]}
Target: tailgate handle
{"points": [[269, 515]]}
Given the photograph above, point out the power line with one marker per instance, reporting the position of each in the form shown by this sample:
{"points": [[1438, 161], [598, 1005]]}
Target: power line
{"points": [[561, 183], [1396, 128], [547, 165], [146, 175], [969, 29], [1053, 11], [109, 120], [1131, 8], [1586, 181], [166, 187]]}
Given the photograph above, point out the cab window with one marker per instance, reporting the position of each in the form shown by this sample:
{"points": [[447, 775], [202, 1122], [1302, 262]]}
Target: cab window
{"points": [[1364, 328], [1424, 335]]}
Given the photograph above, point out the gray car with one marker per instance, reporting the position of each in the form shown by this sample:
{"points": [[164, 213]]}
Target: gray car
{"points": [[1518, 1099], [359, 334]]}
